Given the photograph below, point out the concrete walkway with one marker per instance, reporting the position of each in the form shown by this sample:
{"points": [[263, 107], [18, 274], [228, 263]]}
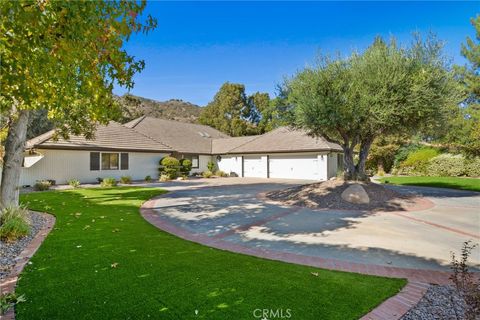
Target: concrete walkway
{"points": [[229, 210]]}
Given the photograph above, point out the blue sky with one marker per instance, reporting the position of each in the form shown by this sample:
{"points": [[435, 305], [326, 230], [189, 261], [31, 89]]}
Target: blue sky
{"points": [[197, 46]]}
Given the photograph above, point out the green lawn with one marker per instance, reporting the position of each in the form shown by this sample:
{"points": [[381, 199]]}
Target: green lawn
{"points": [[104, 261], [472, 184]]}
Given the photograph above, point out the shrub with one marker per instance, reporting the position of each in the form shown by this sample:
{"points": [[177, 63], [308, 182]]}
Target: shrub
{"points": [[446, 165], [207, 174], [148, 179], [220, 173], [185, 166], [211, 166], [417, 162], [74, 183], [42, 185], [169, 166], [126, 179], [8, 300], [108, 182], [472, 167], [466, 283], [14, 223], [164, 177], [403, 153]]}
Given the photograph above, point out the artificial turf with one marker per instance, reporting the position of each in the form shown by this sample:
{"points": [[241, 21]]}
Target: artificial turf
{"points": [[104, 261], [472, 184]]}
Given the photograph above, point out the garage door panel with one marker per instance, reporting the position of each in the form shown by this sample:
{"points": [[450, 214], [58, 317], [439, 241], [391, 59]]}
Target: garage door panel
{"points": [[294, 167], [253, 167]]}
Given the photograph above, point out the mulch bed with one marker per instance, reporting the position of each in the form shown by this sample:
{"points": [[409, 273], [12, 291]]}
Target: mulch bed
{"points": [[327, 195], [9, 251]]}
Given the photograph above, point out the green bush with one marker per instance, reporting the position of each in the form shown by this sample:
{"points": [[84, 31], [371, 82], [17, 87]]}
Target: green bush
{"points": [[126, 179], [8, 300], [14, 223], [148, 179], [185, 166], [403, 153], [446, 165], [211, 166], [108, 182], [164, 177], [207, 174], [74, 183], [472, 167], [220, 173], [417, 161], [42, 185], [170, 167]]}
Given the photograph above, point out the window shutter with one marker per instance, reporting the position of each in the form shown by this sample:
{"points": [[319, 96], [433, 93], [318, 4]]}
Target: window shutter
{"points": [[124, 161], [94, 161]]}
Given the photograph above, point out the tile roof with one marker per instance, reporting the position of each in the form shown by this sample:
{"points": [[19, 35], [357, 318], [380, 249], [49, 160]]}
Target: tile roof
{"points": [[283, 139], [221, 146], [113, 136], [180, 136], [154, 135]]}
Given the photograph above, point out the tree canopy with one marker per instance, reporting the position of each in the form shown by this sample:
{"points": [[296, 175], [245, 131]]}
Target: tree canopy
{"points": [[387, 89], [63, 57], [237, 114], [465, 125]]}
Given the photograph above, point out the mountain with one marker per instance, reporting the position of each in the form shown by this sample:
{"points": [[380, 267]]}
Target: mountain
{"points": [[173, 109]]}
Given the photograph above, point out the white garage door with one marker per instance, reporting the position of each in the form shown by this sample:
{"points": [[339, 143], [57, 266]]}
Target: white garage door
{"points": [[295, 167], [253, 167]]}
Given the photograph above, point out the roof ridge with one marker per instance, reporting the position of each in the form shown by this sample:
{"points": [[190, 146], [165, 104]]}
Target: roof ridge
{"points": [[134, 122], [186, 123], [39, 139], [151, 138], [241, 145]]}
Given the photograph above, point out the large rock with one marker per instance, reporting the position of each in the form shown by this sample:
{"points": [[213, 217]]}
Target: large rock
{"points": [[355, 194]]}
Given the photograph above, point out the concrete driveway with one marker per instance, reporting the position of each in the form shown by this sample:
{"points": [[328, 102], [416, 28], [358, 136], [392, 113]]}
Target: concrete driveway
{"points": [[230, 209]]}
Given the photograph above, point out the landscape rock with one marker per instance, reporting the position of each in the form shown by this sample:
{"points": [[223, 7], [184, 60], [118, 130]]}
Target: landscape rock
{"points": [[355, 194]]}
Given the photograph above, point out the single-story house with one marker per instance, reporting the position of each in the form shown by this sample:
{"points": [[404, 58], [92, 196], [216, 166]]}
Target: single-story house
{"points": [[134, 149]]}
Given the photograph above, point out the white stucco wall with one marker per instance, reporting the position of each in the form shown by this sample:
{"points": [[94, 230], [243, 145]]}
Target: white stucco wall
{"points": [[230, 163], [62, 165]]}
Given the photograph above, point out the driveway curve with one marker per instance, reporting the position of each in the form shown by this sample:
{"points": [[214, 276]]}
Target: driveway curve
{"points": [[227, 213]]}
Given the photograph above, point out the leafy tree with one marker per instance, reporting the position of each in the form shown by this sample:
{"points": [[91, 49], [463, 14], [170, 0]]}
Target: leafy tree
{"points": [[465, 126], [64, 57], [232, 112], [237, 114], [386, 90]]}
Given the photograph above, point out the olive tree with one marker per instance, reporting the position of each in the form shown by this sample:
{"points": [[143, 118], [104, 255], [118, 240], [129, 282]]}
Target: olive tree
{"points": [[388, 89], [64, 57]]}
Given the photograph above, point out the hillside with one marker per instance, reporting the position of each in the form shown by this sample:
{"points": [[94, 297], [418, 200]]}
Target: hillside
{"points": [[174, 109]]}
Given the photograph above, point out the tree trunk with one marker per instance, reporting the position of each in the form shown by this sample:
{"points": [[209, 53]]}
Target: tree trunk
{"points": [[362, 159], [350, 170], [13, 158], [356, 171]]}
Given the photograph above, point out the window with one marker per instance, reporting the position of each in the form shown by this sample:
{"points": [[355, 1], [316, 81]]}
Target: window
{"points": [[110, 161], [94, 161], [195, 162], [124, 161], [194, 159]]}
